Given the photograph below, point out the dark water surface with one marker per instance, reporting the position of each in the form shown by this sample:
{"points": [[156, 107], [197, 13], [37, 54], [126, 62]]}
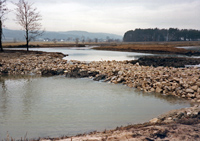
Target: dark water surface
{"points": [[56, 106]]}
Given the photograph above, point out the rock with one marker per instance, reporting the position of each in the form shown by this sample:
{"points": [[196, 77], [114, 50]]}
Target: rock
{"points": [[114, 77], [120, 72], [49, 72], [180, 115], [99, 77], [60, 72], [189, 95], [189, 91], [158, 90], [121, 79], [168, 121], [198, 84], [154, 120], [93, 73], [83, 73], [195, 88]]}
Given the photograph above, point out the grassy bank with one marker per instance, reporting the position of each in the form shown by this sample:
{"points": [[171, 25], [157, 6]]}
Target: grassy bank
{"points": [[52, 44], [154, 47]]}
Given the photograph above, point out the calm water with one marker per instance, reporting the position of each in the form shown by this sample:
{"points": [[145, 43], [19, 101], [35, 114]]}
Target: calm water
{"points": [[195, 48], [88, 54], [56, 106]]}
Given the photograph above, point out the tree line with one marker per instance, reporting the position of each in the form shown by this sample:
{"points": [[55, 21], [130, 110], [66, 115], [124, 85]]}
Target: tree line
{"points": [[171, 34], [27, 17]]}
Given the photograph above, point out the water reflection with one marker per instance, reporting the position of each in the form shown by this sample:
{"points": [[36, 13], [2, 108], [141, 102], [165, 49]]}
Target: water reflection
{"points": [[55, 106], [3, 99], [169, 98], [88, 54]]}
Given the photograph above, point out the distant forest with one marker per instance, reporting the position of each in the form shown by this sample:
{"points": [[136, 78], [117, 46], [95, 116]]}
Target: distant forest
{"points": [[171, 34]]}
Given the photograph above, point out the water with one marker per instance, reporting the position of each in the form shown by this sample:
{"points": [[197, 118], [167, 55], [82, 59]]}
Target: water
{"points": [[194, 48], [56, 106], [88, 54]]}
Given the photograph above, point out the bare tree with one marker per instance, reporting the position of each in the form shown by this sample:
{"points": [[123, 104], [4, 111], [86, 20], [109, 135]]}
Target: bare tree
{"points": [[76, 41], [3, 11], [28, 17]]}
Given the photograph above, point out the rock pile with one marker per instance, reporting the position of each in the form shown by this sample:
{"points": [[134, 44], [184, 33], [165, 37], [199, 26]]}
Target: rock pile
{"points": [[157, 61], [37, 64], [181, 82]]}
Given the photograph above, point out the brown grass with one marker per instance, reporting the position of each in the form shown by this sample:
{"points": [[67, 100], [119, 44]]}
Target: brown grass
{"points": [[153, 47], [51, 44]]}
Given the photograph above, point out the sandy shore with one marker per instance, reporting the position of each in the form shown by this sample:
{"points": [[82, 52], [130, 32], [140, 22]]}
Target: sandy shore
{"points": [[181, 124]]}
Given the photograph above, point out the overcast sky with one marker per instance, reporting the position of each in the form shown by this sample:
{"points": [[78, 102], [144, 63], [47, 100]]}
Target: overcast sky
{"points": [[113, 16]]}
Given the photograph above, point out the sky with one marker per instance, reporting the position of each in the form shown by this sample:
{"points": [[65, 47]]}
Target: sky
{"points": [[112, 16]]}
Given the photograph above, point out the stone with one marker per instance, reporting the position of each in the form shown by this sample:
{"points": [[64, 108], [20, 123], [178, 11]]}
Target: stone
{"points": [[189, 95], [180, 115], [121, 79], [152, 90], [158, 90], [198, 84], [120, 72], [99, 77], [195, 88], [154, 120], [114, 77], [189, 91]]}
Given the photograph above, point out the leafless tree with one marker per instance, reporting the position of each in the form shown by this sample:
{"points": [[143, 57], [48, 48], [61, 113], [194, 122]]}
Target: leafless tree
{"points": [[28, 17], [3, 11], [76, 41]]}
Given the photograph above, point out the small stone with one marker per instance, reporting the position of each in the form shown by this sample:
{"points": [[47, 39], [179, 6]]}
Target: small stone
{"points": [[180, 115], [114, 77], [190, 95], [189, 113], [195, 88], [183, 96], [152, 89], [120, 72], [154, 120], [119, 80], [189, 91], [158, 90]]}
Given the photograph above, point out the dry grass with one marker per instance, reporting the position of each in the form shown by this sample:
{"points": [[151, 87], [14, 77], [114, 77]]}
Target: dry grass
{"points": [[52, 44], [155, 47]]}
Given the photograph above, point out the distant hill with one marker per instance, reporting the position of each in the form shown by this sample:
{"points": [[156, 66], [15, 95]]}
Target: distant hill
{"points": [[11, 35]]}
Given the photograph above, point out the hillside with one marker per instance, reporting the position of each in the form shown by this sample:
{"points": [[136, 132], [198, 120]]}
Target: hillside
{"points": [[11, 35]]}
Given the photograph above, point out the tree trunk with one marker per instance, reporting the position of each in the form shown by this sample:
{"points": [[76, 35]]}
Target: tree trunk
{"points": [[1, 32], [27, 40], [27, 45]]}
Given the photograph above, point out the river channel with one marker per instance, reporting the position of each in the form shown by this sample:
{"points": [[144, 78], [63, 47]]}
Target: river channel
{"points": [[57, 106]]}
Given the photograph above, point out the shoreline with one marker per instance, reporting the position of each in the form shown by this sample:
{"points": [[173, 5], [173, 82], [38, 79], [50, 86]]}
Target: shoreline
{"points": [[146, 78], [181, 124]]}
